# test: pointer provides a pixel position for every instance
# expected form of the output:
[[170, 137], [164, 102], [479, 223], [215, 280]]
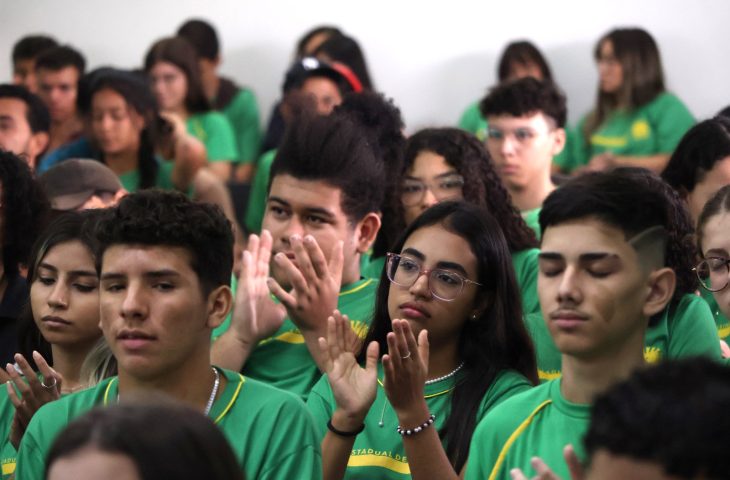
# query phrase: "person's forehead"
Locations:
[[586, 236], [303, 194], [533, 120], [67, 74], [127, 256], [13, 107], [716, 232]]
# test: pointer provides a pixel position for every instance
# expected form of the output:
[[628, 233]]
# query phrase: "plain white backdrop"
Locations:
[[433, 58]]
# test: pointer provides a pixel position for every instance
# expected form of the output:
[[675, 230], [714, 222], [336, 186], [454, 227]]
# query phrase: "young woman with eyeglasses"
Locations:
[[449, 320], [450, 164], [713, 271]]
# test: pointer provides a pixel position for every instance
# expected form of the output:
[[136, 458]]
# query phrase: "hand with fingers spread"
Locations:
[[405, 366], [353, 386], [315, 283], [255, 314], [34, 393]]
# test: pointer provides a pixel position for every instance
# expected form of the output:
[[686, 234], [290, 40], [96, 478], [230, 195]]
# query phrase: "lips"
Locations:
[[135, 339], [568, 319], [413, 310], [55, 322]]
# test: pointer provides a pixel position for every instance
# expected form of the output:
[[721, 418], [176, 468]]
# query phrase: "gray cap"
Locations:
[[71, 183]]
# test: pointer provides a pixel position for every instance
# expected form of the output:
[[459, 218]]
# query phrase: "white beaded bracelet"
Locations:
[[418, 429]]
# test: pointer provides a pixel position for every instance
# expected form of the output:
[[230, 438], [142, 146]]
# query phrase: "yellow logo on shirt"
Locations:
[[640, 130], [8, 466], [652, 354], [368, 457]]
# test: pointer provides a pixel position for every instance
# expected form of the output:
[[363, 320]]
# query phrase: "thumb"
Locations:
[[423, 346], [574, 466], [371, 357]]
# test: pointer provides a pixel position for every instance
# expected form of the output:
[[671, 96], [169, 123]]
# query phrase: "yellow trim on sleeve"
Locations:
[[546, 375], [106, 391], [290, 337], [512, 438], [382, 461], [723, 331], [604, 141], [431, 395], [233, 399], [358, 288]]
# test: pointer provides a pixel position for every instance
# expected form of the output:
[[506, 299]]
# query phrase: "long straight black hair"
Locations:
[[493, 342]]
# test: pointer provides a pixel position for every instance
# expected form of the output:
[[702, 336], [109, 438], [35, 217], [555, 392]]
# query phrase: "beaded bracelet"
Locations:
[[418, 429], [342, 433]]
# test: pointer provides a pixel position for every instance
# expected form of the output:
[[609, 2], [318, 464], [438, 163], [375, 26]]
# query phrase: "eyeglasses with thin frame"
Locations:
[[443, 284], [713, 273], [445, 188], [522, 135]]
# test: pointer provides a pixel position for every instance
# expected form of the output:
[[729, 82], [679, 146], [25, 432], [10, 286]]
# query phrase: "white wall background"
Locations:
[[433, 58]]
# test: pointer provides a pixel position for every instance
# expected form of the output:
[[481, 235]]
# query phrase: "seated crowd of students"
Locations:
[[513, 298]]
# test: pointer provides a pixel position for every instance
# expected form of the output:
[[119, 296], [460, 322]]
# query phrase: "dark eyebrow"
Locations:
[[442, 175], [6, 117], [716, 251], [308, 209], [279, 200], [72, 273], [452, 266], [152, 274], [584, 257], [549, 256], [413, 252]]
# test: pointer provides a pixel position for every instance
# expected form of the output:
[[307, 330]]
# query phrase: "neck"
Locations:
[[67, 361], [62, 131], [351, 273], [192, 385], [585, 378], [122, 162], [442, 360], [532, 195], [211, 82]]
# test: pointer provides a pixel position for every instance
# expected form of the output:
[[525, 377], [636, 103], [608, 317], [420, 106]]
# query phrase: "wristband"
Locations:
[[412, 431], [343, 433]]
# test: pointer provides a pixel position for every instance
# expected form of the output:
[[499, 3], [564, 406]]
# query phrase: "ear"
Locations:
[[38, 144], [560, 139], [661, 284], [219, 304], [365, 232]]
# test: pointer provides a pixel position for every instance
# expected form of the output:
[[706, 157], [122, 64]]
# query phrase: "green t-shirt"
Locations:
[[214, 130], [270, 432], [283, 360], [473, 122], [539, 422], [532, 219], [378, 451], [130, 180], [722, 322], [687, 331], [243, 114], [7, 451], [654, 128], [256, 207]]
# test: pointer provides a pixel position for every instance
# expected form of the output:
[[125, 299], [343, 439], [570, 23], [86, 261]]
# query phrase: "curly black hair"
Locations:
[[482, 185], [164, 218], [673, 414], [526, 96], [25, 210], [382, 119]]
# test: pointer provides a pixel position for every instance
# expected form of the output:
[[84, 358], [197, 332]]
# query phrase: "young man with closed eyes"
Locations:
[[602, 276]]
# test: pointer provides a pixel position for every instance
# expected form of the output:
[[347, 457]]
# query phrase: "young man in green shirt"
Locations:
[[236, 103], [321, 215], [165, 264], [602, 276], [526, 130]]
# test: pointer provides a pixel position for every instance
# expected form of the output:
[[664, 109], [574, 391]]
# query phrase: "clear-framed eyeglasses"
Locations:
[[445, 188], [713, 273], [444, 284]]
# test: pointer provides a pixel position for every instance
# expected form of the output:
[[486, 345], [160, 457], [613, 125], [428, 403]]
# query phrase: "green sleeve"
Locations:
[[320, 407], [292, 449], [671, 119], [473, 122], [243, 115], [31, 461], [547, 355], [259, 191], [214, 130], [692, 330], [525, 265], [484, 449]]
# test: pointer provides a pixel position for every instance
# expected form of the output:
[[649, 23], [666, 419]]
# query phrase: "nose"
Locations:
[[569, 287], [58, 299], [420, 287], [134, 304], [294, 226], [508, 145], [429, 199]]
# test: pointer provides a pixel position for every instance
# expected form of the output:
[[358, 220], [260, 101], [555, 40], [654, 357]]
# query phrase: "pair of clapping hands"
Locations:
[[28, 393]]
